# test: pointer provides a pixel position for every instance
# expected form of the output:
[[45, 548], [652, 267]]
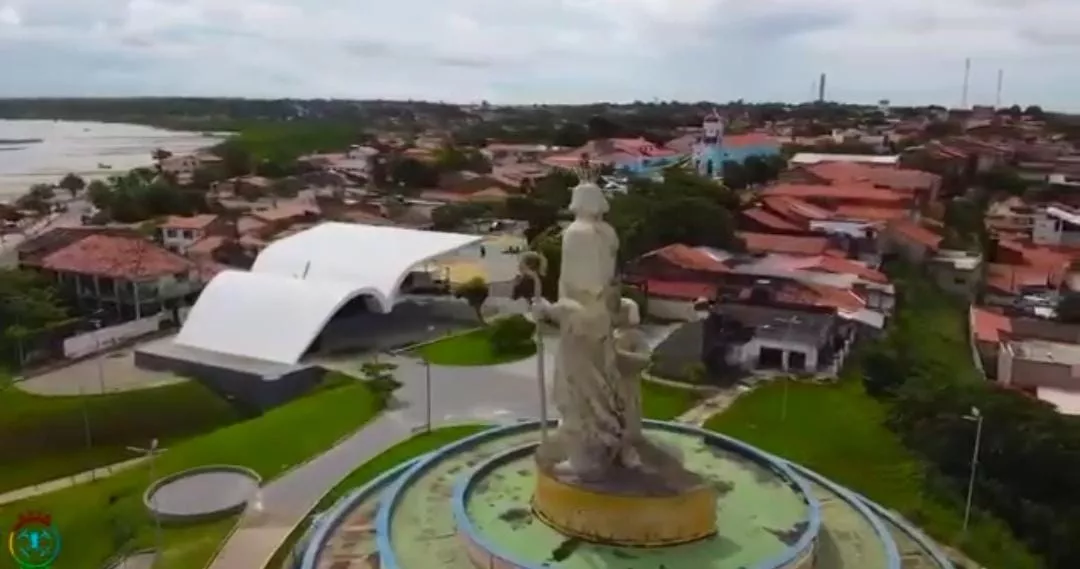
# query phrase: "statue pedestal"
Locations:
[[657, 505]]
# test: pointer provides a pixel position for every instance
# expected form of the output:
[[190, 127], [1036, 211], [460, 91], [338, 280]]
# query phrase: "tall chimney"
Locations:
[[967, 76], [1001, 79], [821, 89]]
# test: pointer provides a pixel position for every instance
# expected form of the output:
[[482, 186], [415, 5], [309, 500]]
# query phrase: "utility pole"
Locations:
[[789, 324], [151, 453], [977, 417]]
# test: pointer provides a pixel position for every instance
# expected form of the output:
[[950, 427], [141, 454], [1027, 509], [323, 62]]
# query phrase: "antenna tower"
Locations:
[[1000, 80], [967, 77]]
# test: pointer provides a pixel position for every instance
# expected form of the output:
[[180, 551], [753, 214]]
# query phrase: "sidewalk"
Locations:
[[698, 414], [66, 482]]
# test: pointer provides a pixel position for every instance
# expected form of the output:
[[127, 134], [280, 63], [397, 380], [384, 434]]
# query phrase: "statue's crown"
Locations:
[[586, 171]]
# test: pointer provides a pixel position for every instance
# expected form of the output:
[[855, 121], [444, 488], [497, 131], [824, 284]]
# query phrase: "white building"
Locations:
[[276, 311], [1056, 226]]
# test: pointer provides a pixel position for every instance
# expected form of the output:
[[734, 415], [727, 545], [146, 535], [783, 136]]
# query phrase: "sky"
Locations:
[[556, 51]]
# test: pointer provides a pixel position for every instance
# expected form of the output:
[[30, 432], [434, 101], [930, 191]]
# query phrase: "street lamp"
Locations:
[[784, 360], [977, 417], [151, 453], [96, 321], [427, 389]]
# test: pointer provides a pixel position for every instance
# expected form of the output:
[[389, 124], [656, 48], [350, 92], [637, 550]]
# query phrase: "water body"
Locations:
[[42, 151]]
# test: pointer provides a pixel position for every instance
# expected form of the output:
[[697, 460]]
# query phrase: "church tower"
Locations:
[[712, 129], [708, 153]]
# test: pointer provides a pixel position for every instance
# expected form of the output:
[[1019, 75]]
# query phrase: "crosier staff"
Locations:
[[533, 265]]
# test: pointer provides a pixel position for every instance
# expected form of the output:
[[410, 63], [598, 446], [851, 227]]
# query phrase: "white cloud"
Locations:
[[9, 16], [536, 50]]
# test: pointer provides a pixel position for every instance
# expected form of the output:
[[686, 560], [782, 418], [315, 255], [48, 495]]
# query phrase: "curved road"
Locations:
[[501, 393]]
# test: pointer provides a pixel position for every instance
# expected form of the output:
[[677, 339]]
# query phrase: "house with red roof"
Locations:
[[627, 155], [118, 271], [678, 278]]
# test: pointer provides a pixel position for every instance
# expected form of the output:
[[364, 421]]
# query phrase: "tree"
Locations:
[[100, 194], [410, 173], [38, 198], [475, 291], [380, 377], [28, 305], [512, 335], [73, 184], [1002, 179], [733, 174], [160, 154]]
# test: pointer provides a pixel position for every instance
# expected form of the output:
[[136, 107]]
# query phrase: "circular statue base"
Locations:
[[655, 503]]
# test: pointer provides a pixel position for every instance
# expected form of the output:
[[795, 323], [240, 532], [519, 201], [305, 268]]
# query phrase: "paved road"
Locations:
[[497, 394], [502, 393]]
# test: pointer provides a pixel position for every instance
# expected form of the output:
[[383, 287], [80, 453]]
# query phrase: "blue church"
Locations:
[[714, 148]]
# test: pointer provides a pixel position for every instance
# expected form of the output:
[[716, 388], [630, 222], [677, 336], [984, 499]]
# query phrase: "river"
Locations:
[[33, 152]]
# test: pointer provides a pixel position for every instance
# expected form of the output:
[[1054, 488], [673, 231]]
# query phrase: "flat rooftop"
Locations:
[[1044, 351]]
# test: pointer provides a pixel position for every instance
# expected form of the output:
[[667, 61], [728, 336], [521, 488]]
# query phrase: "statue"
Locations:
[[586, 390], [600, 477]]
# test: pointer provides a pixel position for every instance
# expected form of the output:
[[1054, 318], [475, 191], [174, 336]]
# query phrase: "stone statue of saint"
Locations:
[[586, 387], [597, 391]]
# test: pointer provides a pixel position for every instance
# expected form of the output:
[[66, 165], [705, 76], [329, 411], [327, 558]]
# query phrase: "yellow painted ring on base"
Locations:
[[626, 520]]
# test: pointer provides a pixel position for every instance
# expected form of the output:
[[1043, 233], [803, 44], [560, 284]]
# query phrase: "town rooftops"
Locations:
[[115, 256], [612, 150], [915, 232], [771, 243], [853, 192], [693, 258], [769, 220], [778, 323], [807, 158], [893, 178], [188, 222]]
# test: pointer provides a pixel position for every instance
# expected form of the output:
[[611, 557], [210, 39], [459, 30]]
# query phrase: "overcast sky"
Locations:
[[518, 51]]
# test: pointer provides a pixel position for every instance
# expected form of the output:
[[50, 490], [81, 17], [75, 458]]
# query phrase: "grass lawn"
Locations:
[[468, 349], [838, 431], [44, 438], [666, 402], [388, 459], [86, 515]]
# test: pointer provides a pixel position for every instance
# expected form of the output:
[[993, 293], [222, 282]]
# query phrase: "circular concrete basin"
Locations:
[[202, 494]]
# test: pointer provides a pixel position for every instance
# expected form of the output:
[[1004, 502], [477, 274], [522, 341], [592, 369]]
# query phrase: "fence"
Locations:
[[88, 343]]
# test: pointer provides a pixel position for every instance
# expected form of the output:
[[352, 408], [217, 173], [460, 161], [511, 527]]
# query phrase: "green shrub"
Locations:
[[511, 335]]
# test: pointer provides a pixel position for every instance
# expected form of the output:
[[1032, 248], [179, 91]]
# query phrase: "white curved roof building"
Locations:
[[275, 311]]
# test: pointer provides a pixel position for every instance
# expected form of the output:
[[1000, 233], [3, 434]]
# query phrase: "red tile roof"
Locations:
[[840, 265], [611, 150], [687, 257], [1012, 278], [856, 173], [750, 139], [813, 294], [870, 213], [847, 192], [680, 290], [913, 231], [795, 209], [769, 220], [116, 257], [770, 243], [1058, 258], [988, 325]]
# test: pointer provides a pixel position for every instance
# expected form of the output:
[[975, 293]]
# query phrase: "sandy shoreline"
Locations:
[[83, 148]]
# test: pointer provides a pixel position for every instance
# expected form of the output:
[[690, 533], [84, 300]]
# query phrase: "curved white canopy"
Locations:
[[275, 311]]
